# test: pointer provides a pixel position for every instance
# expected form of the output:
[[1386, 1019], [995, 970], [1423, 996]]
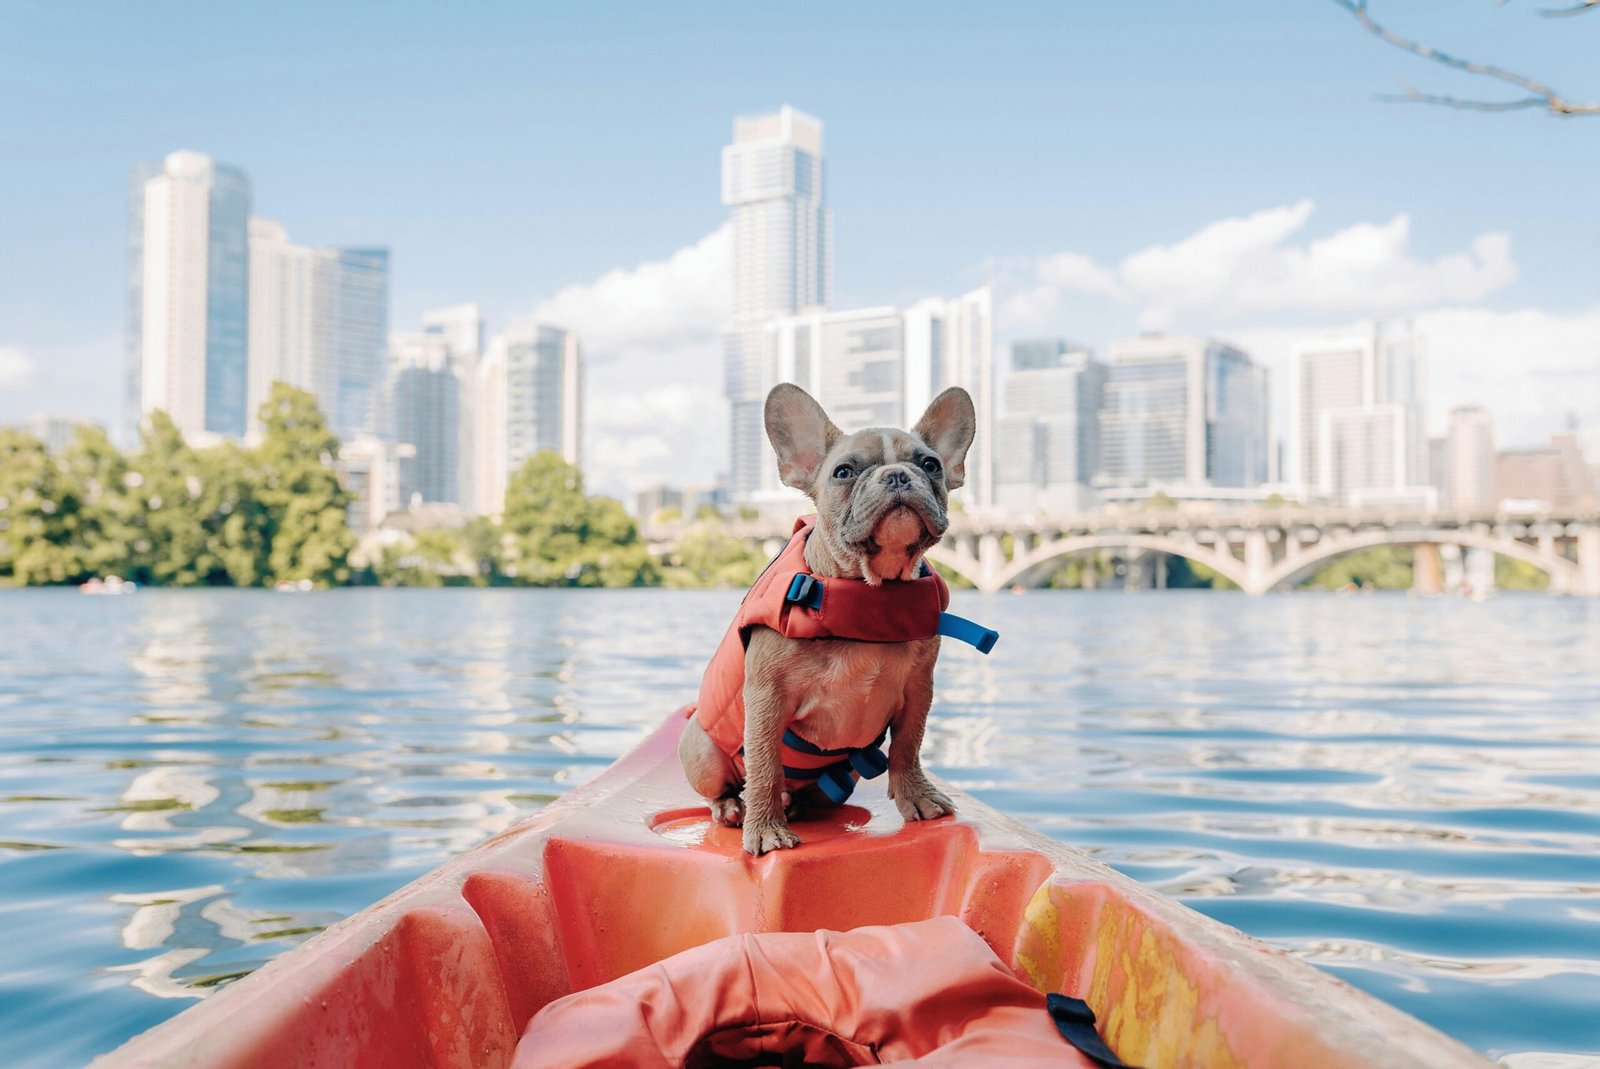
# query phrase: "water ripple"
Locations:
[[1399, 790]]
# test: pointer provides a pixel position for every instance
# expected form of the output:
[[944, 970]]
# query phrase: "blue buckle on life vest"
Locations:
[[804, 590], [968, 631], [869, 761], [837, 783]]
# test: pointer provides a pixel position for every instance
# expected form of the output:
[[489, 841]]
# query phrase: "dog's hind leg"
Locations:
[[712, 775]]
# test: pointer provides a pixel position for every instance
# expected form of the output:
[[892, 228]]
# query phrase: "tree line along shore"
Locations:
[[169, 514], [274, 514]]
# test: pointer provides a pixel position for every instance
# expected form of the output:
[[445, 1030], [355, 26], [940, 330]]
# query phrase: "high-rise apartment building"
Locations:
[[423, 405], [852, 362], [1365, 455], [462, 328], [284, 340], [487, 385], [950, 342], [1033, 354], [460, 325], [373, 472], [544, 394], [1555, 476], [188, 293], [56, 432], [1362, 392], [319, 320], [880, 367], [773, 187], [1469, 473], [1182, 413], [527, 398], [1048, 444]]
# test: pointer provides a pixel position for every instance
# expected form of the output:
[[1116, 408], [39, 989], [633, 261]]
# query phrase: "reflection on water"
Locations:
[[1402, 791]]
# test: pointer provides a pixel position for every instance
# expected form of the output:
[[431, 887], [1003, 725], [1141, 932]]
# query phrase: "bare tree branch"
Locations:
[[1577, 9], [1540, 95]]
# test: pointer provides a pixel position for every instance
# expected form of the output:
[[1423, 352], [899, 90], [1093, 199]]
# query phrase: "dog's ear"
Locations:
[[948, 426], [801, 433]]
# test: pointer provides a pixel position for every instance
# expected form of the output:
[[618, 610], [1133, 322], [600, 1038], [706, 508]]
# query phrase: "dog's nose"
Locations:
[[896, 479]]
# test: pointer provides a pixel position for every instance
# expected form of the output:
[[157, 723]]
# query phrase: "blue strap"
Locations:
[[869, 762], [968, 631], [838, 780], [1075, 1021], [804, 590], [790, 738], [837, 783]]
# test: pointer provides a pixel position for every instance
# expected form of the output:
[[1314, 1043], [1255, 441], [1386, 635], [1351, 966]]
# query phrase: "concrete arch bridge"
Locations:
[[1260, 550]]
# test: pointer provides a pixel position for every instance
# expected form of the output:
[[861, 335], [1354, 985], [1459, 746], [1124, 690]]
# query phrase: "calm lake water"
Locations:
[[1404, 791]]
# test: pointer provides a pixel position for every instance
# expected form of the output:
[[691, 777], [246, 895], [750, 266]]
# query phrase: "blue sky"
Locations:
[[506, 152]]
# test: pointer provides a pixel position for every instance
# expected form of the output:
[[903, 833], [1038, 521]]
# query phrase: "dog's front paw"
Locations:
[[764, 838], [923, 802], [729, 812]]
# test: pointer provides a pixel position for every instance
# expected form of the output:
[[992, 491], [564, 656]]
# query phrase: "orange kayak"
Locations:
[[627, 871]]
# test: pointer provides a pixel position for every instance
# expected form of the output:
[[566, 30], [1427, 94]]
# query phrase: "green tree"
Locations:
[[35, 536], [480, 540], [168, 542], [1513, 574], [708, 556], [557, 536], [302, 503], [95, 481], [232, 514], [1380, 567], [61, 517]]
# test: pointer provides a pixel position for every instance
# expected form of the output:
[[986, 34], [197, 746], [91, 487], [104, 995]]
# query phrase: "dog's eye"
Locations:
[[930, 465], [844, 471]]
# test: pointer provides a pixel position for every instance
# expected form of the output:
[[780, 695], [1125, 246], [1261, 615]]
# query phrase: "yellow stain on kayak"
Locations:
[[1152, 998], [1039, 957], [1138, 980]]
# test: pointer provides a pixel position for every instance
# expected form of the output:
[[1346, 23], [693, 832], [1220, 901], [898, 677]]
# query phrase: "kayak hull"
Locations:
[[627, 870]]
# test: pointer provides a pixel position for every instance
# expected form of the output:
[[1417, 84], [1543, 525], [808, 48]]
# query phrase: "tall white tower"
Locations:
[[188, 293], [773, 185]]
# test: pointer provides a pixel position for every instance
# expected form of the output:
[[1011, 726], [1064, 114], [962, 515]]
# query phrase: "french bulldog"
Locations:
[[882, 497]]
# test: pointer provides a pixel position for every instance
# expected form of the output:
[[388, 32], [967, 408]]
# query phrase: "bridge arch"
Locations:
[[1563, 573], [1013, 570]]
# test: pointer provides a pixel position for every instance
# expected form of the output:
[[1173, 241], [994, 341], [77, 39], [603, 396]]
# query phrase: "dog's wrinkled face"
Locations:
[[881, 493]]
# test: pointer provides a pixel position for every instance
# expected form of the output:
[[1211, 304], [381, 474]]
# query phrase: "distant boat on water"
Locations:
[[111, 584]]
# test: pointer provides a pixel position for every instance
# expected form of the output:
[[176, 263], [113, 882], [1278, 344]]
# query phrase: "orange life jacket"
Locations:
[[926, 993], [790, 599]]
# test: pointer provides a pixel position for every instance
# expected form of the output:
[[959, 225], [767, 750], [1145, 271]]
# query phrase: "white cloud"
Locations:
[[1233, 269], [1531, 368], [651, 336], [689, 294], [16, 370]]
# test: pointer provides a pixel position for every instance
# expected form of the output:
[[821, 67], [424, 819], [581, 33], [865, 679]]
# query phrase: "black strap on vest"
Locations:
[[1075, 1021]]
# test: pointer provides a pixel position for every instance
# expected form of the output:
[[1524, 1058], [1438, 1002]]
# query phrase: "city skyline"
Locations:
[[1186, 414], [1275, 232]]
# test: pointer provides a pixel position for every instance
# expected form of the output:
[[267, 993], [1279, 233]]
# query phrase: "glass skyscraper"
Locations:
[[319, 320], [773, 186], [355, 326], [188, 293], [1184, 413], [423, 399]]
